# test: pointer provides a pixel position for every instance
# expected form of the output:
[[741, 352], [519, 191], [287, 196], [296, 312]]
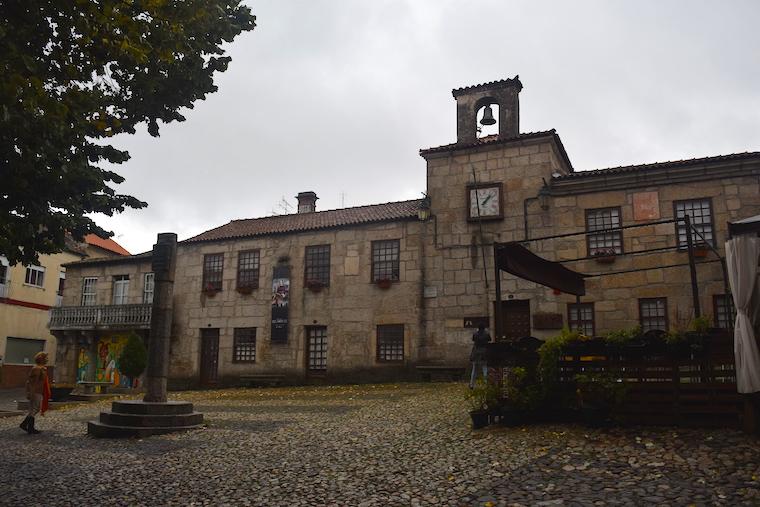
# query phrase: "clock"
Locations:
[[485, 201]]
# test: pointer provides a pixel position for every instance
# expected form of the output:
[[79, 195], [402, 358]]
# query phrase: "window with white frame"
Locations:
[[609, 242], [89, 291], [724, 311], [700, 212], [580, 317], [149, 286], [35, 276], [120, 289], [653, 314]]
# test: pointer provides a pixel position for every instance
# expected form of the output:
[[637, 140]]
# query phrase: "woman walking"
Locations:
[[37, 392]]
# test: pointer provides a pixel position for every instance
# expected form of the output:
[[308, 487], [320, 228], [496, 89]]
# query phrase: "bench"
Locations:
[[90, 387], [440, 373], [268, 379]]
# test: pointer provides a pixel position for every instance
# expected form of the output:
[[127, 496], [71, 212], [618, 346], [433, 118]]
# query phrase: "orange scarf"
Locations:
[[46, 394]]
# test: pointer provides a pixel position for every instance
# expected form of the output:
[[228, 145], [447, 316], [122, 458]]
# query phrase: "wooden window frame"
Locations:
[[244, 345], [386, 337], [580, 306], [679, 227], [85, 295], [395, 270], [247, 276], [719, 308], [616, 231], [209, 267], [643, 301], [316, 265]]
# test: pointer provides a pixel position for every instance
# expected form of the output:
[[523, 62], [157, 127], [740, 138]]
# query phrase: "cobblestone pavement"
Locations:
[[407, 444]]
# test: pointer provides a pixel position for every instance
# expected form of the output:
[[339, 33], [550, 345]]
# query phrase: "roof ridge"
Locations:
[[490, 84], [324, 210]]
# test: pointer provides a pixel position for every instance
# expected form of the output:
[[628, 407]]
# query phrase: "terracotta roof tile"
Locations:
[[300, 222], [515, 81], [658, 165], [106, 244]]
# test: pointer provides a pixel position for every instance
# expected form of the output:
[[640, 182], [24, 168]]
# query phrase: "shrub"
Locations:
[[623, 336], [484, 396], [134, 357]]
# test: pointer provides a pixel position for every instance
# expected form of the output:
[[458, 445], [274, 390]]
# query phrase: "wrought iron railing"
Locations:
[[99, 317]]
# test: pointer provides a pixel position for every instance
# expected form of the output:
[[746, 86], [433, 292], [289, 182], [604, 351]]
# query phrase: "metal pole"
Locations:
[[497, 299], [480, 226], [692, 267]]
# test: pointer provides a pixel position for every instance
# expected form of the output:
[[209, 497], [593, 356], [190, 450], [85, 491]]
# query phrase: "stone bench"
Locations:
[[441, 373], [268, 379], [94, 387]]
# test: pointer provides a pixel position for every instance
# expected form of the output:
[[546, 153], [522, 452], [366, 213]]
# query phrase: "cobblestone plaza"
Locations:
[[399, 444]]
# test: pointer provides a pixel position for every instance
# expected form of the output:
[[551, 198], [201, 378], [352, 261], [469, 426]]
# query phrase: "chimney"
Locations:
[[307, 202]]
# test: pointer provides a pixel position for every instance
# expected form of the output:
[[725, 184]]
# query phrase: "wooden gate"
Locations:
[[209, 357]]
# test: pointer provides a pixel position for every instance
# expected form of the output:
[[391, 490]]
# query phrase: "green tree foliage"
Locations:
[[75, 73], [134, 357]]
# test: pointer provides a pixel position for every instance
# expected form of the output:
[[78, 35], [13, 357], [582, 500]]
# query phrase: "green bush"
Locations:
[[484, 396], [134, 357], [623, 336]]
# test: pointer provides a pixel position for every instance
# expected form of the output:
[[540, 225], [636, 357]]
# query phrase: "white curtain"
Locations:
[[742, 254]]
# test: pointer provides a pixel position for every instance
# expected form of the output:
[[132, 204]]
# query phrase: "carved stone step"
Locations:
[[151, 420], [140, 407], [100, 430]]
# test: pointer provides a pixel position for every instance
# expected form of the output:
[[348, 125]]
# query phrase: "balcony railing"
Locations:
[[100, 317]]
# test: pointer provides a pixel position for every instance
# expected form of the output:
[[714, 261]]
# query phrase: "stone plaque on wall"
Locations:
[[646, 206], [547, 321]]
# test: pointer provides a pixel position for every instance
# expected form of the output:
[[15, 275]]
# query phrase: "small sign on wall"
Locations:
[[646, 206], [431, 291], [475, 321]]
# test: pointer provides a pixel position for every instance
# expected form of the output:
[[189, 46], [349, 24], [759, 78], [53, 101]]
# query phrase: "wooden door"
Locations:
[[209, 357], [515, 318]]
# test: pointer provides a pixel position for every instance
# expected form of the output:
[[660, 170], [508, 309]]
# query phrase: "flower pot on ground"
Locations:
[[483, 400], [480, 419], [384, 283]]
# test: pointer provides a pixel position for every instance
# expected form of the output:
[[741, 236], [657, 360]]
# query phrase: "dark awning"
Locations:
[[518, 260], [745, 226]]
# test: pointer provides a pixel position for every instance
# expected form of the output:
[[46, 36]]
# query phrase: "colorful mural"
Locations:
[[107, 361]]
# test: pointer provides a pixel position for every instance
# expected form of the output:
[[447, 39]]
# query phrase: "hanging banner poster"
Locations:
[[280, 303]]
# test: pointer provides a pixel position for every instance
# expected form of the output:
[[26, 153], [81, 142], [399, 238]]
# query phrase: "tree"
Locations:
[[77, 72], [133, 358]]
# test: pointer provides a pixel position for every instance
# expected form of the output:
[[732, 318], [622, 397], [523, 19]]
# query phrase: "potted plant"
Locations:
[[605, 255], [483, 400], [244, 289], [315, 285], [522, 397], [384, 283], [210, 290]]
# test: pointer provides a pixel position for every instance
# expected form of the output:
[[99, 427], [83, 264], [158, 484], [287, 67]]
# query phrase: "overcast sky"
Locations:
[[339, 96]]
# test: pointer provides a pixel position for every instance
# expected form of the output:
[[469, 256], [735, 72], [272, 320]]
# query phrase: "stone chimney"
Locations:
[[307, 202]]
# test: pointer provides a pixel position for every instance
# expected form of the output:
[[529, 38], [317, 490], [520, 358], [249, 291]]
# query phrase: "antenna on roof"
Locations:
[[282, 208], [342, 199]]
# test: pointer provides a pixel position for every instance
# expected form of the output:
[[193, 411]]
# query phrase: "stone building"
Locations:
[[371, 292]]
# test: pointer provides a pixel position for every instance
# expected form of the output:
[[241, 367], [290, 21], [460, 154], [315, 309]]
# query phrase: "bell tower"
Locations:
[[471, 99]]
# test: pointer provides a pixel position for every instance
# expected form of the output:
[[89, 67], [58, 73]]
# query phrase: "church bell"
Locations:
[[488, 118]]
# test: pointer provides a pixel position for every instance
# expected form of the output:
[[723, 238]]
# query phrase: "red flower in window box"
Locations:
[[315, 285], [701, 250], [384, 283], [210, 291], [605, 255], [244, 289]]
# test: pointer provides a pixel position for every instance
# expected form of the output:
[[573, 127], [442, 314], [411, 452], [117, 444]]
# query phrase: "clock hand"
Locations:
[[486, 200]]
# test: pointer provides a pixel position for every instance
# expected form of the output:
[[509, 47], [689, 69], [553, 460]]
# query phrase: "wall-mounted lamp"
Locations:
[[543, 196], [423, 212]]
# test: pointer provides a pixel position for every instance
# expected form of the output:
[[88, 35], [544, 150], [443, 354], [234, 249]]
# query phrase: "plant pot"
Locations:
[[315, 287], [384, 284], [479, 419], [605, 259], [60, 393], [701, 253], [210, 293], [244, 290]]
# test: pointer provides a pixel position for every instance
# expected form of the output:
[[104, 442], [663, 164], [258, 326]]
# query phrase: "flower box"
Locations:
[[384, 283], [701, 250], [210, 291], [605, 256], [315, 285], [244, 290]]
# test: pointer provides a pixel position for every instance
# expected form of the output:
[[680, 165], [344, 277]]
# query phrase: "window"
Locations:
[[35, 276], [248, 269], [149, 286], [61, 281], [317, 265], [120, 289], [317, 344], [653, 314], [390, 343], [724, 311], [700, 212], [580, 317], [22, 350], [604, 243], [244, 345], [213, 267], [89, 291], [385, 265]]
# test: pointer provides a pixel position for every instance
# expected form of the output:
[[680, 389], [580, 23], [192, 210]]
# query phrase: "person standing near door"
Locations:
[[37, 392], [480, 340]]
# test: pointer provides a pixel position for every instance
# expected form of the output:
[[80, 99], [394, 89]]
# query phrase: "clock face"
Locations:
[[485, 202]]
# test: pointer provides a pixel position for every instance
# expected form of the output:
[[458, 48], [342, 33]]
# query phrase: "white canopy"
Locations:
[[742, 256]]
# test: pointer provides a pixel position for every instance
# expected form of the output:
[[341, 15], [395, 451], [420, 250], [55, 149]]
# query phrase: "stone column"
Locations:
[[163, 262]]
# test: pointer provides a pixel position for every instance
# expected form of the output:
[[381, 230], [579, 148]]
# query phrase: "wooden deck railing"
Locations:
[[100, 317]]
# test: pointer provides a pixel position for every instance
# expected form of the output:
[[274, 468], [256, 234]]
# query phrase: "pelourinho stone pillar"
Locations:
[[163, 262]]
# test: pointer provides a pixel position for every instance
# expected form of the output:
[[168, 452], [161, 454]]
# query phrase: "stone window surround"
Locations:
[[317, 264], [244, 345], [213, 271], [386, 255], [579, 320], [704, 203], [651, 306], [35, 276], [249, 269], [615, 238], [390, 343]]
